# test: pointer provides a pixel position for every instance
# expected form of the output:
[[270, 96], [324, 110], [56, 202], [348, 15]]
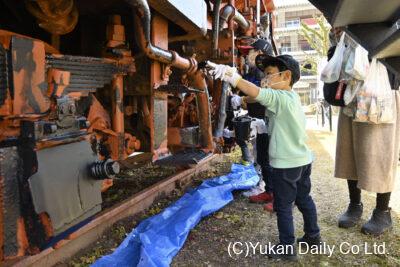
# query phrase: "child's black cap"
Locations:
[[263, 61]]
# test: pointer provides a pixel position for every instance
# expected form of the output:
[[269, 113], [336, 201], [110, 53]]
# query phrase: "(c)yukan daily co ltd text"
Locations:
[[249, 248]]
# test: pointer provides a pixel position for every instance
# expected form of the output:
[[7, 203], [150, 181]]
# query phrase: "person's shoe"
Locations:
[[310, 240], [351, 216], [269, 207], [245, 162], [282, 252], [261, 198], [380, 222]]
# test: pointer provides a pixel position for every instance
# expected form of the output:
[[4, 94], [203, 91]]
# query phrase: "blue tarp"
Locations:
[[159, 238]]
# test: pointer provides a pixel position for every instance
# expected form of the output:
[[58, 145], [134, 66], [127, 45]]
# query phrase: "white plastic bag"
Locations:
[[331, 72], [357, 65], [375, 98], [350, 60], [353, 86]]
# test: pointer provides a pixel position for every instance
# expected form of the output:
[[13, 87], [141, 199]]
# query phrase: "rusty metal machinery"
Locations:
[[120, 82], [57, 17]]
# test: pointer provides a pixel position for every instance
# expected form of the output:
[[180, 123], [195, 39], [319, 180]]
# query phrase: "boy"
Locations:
[[289, 155]]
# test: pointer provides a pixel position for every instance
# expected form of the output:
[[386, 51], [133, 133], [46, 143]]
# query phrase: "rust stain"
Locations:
[[98, 116], [117, 147], [47, 225], [22, 237], [107, 183]]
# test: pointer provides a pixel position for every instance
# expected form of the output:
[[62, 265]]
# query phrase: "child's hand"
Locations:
[[225, 73], [236, 101]]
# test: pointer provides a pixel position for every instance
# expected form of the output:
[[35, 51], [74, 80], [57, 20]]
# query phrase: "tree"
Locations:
[[318, 39]]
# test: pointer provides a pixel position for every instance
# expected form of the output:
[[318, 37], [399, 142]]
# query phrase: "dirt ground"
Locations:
[[240, 221]]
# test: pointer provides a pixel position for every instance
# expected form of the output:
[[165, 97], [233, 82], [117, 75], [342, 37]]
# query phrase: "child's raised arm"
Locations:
[[229, 74]]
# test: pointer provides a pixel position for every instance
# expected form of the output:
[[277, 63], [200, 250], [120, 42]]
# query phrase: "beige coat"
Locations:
[[368, 153]]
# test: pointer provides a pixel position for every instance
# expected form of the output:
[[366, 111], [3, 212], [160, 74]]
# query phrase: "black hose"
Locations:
[[222, 111]]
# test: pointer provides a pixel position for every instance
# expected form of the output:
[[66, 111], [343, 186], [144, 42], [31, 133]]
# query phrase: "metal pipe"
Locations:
[[142, 31], [203, 107], [258, 13], [222, 111], [118, 113], [228, 13], [215, 28], [205, 120], [231, 23]]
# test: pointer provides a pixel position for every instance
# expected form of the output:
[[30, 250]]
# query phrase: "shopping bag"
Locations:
[[331, 72], [352, 88], [375, 98], [357, 64]]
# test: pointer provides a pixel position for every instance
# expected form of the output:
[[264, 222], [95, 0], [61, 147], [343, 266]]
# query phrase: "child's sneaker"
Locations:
[[245, 162], [269, 207], [261, 198]]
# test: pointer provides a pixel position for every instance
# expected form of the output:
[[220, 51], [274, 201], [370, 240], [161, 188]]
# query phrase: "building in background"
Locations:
[[287, 34]]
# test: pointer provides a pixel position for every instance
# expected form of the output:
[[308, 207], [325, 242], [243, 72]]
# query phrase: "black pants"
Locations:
[[262, 145], [382, 199], [292, 186]]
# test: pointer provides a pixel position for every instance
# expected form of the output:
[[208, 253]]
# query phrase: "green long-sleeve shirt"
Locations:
[[287, 128]]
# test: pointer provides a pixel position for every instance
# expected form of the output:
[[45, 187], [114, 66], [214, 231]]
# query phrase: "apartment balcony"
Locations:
[[298, 53], [309, 78], [291, 28]]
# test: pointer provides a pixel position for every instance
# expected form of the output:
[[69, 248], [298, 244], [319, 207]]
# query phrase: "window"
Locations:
[[304, 72], [305, 98], [285, 47], [292, 23], [304, 45]]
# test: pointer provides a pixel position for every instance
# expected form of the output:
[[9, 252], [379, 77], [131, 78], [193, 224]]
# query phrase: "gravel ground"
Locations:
[[240, 221]]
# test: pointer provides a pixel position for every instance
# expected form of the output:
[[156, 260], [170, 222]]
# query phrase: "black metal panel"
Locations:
[[3, 75], [184, 158], [10, 165], [326, 7], [349, 12], [87, 73], [375, 37]]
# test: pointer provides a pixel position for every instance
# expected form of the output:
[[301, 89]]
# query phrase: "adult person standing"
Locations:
[[367, 156]]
